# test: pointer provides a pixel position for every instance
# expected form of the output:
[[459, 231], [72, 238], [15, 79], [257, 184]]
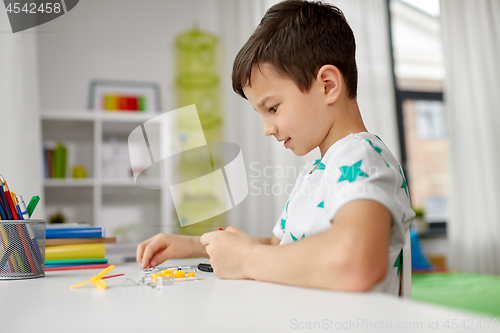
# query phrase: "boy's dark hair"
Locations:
[[297, 38]]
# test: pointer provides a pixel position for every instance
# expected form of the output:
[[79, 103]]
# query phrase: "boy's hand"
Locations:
[[228, 251], [161, 247]]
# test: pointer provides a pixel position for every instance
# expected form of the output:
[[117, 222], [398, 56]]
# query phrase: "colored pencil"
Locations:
[[2, 210], [9, 200], [32, 204], [7, 250], [5, 203], [27, 248]]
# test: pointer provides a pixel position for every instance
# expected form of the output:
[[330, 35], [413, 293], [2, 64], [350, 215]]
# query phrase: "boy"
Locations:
[[299, 72]]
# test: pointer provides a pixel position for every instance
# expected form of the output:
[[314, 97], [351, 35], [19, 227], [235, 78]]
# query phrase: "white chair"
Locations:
[[405, 274]]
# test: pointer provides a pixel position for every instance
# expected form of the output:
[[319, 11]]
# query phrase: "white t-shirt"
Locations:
[[358, 166]]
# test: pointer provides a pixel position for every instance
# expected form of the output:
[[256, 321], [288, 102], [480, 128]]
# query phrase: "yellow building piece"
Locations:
[[180, 274]]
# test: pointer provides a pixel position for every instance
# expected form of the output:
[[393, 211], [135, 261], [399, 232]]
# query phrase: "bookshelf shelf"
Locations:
[[113, 117], [64, 116], [109, 197], [128, 182], [69, 182], [91, 116]]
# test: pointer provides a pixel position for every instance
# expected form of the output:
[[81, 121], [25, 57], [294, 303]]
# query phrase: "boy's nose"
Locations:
[[269, 129]]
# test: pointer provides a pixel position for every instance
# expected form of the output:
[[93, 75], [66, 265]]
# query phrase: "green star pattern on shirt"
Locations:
[[295, 238], [379, 151], [283, 221], [399, 262], [321, 166], [404, 185], [378, 137], [321, 204], [350, 173]]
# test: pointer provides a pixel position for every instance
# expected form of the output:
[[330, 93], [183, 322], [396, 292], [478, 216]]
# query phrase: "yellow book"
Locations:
[[75, 251]]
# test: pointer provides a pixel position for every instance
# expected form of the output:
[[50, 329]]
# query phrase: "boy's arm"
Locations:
[[352, 255], [269, 241]]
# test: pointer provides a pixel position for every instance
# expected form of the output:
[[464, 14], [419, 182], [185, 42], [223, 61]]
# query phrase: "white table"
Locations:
[[211, 305]]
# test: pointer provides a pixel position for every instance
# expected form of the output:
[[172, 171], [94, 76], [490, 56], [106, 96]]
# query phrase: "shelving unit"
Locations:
[[109, 199]]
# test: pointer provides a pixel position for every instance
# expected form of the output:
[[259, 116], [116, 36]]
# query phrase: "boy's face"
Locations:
[[287, 112]]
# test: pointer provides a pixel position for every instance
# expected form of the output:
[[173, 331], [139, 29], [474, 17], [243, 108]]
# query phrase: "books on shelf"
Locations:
[[59, 161], [49, 159], [55, 160]]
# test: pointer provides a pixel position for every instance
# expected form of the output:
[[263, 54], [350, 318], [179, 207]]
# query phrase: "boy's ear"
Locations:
[[330, 79]]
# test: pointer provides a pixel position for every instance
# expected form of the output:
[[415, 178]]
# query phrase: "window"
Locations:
[[418, 77]]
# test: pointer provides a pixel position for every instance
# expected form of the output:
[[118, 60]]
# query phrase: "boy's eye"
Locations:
[[274, 108]]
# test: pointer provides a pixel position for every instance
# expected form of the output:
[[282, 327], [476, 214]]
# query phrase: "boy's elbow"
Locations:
[[360, 275], [368, 275]]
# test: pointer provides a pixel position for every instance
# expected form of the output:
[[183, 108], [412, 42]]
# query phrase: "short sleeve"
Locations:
[[364, 169], [279, 226]]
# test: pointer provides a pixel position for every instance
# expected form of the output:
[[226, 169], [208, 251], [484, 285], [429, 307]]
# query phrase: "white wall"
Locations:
[[20, 149], [114, 39]]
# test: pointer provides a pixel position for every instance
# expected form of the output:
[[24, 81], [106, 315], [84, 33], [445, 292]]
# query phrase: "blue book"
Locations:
[[95, 232]]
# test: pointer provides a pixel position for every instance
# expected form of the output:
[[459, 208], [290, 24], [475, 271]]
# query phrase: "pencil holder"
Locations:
[[22, 249]]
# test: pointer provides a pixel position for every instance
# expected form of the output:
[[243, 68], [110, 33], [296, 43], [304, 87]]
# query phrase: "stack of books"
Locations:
[[75, 247]]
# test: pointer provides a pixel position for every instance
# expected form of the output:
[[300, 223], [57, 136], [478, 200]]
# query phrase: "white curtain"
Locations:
[[20, 143], [471, 35], [271, 167]]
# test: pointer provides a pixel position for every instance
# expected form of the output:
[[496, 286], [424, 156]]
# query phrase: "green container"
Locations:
[[196, 52], [201, 89], [198, 83]]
